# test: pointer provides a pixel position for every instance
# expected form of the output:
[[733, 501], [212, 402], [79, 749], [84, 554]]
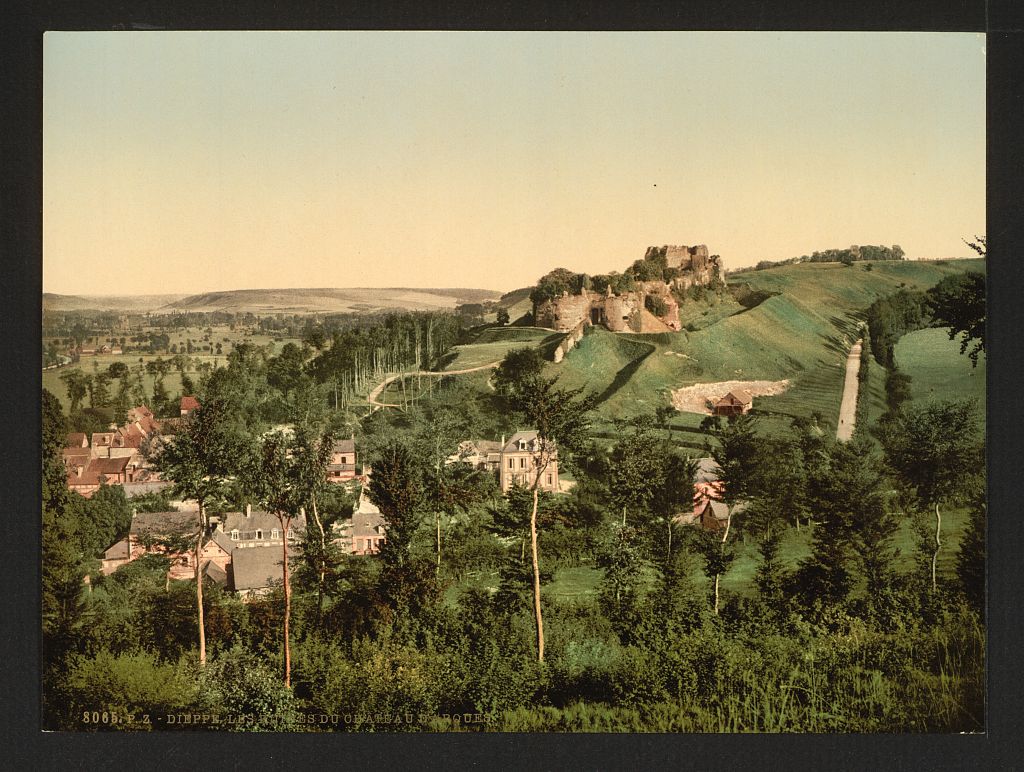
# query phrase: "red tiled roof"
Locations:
[[76, 440], [189, 403]]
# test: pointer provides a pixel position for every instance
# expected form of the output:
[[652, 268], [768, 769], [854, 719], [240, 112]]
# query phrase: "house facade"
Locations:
[[342, 466], [364, 532], [519, 458]]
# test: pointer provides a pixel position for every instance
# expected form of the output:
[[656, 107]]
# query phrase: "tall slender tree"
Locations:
[[201, 461], [288, 475], [559, 416]]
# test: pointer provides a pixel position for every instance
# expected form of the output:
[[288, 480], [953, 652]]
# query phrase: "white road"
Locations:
[[848, 407]]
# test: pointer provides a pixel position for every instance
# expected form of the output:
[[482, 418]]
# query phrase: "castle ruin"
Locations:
[[628, 311]]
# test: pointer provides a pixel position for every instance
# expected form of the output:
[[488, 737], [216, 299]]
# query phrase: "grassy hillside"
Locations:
[[493, 343], [938, 370], [120, 303], [802, 333], [799, 325]]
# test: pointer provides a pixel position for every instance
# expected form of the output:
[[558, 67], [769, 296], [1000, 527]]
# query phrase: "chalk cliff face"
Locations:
[[628, 311]]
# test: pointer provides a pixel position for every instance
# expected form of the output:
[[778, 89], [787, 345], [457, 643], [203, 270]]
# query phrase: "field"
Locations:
[[581, 583], [938, 370], [493, 343], [221, 334]]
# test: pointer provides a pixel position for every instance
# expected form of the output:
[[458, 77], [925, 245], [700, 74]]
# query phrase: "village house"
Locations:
[[255, 572], [86, 478], [254, 528], [364, 532], [518, 463], [480, 454], [77, 440], [113, 457], [706, 484], [163, 533], [188, 404], [734, 403], [241, 551], [709, 511], [342, 466]]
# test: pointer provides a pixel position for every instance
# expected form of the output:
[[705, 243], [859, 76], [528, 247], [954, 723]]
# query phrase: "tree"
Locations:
[[560, 419], [737, 455], [200, 463], [286, 477], [454, 485], [397, 489], [958, 302], [970, 562], [674, 493], [636, 469], [853, 529], [778, 494], [620, 587], [503, 316], [935, 450], [117, 370], [76, 383], [62, 573]]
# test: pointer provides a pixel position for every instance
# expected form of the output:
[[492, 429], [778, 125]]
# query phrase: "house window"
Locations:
[[259, 533], [549, 479], [274, 534], [234, 535], [510, 463], [344, 459], [522, 463]]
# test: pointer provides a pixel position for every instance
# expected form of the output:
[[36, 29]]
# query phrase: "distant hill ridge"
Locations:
[[293, 300]]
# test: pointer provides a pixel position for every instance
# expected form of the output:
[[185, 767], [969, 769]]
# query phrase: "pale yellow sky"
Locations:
[[190, 162]]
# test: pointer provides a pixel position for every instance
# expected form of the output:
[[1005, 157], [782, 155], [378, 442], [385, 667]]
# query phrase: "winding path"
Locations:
[[848, 407], [372, 397]]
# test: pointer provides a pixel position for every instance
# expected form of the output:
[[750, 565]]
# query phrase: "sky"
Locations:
[[186, 162]]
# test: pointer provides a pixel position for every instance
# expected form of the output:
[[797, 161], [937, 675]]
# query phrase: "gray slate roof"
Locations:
[[707, 470], [264, 521], [254, 568], [512, 446]]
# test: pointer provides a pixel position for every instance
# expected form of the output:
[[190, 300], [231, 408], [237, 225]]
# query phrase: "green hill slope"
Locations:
[[801, 333]]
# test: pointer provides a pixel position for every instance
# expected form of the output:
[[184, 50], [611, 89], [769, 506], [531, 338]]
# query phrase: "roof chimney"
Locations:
[[248, 510], [503, 442]]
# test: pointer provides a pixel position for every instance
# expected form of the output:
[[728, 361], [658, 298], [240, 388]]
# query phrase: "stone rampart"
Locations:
[[621, 313], [573, 337]]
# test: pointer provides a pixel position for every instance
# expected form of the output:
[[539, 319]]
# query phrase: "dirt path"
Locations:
[[372, 397], [848, 407]]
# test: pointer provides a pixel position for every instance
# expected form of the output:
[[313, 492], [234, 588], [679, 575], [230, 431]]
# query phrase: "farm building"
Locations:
[[734, 403]]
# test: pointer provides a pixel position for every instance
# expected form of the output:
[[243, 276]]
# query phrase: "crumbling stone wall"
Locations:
[[621, 313], [571, 339], [565, 312]]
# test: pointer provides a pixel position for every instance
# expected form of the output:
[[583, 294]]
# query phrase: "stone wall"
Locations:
[[573, 337], [621, 313], [564, 313]]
